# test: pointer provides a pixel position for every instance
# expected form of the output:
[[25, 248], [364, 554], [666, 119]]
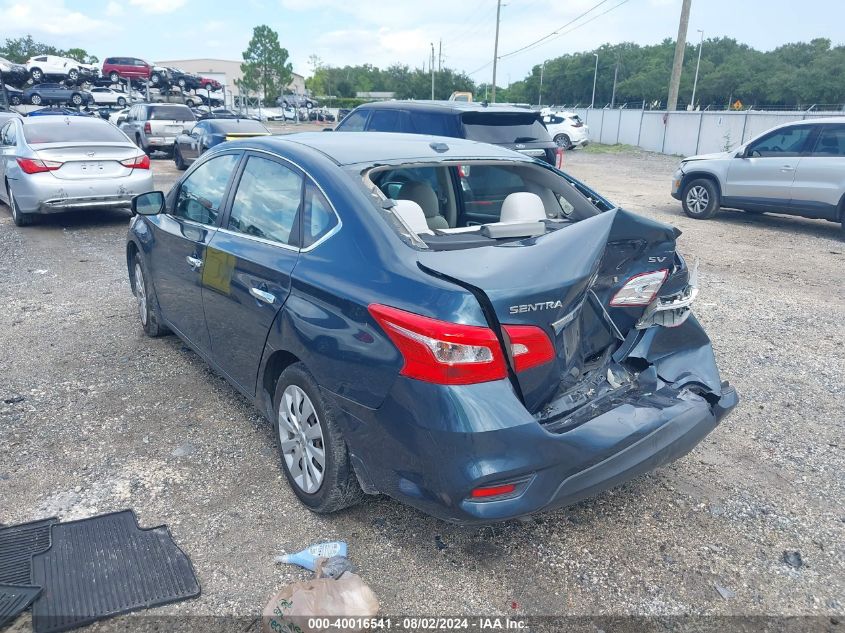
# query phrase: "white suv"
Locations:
[[796, 169], [566, 128], [53, 66]]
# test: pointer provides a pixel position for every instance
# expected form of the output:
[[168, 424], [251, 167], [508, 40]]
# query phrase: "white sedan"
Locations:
[[107, 96]]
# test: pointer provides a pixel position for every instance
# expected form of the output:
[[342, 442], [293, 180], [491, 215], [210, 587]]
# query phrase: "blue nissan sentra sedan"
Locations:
[[450, 323]]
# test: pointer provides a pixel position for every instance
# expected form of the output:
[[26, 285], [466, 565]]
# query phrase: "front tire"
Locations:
[[311, 447], [73, 75], [145, 299], [180, 163], [700, 199], [121, 102], [36, 75], [76, 99], [114, 77], [35, 99]]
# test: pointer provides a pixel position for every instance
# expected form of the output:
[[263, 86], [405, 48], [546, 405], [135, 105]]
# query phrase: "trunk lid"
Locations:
[[80, 162], [562, 282]]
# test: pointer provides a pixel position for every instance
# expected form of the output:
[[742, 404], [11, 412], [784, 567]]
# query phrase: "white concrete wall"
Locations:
[[684, 133]]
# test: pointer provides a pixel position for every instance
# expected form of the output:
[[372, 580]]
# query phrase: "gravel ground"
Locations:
[[95, 417]]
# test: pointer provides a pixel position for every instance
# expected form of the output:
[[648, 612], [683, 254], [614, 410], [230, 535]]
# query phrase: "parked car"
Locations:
[[13, 74], [795, 169], [296, 101], [184, 79], [208, 133], [107, 96], [207, 83], [119, 116], [155, 126], [51, 163], [54, 111], [566, 128], [116, 68], [15, 95], [397, 358], [342, 113], [160, 77], [320, 115], [43, 67], [47, 93], [516, 128], [218, 113]]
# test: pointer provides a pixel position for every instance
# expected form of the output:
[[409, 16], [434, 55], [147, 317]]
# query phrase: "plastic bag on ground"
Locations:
[[294, 605]]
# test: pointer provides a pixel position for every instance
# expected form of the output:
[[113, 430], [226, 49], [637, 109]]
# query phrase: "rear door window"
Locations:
[[385, 121], [504, 127], [434, 124], [267, 201], [831, 141]]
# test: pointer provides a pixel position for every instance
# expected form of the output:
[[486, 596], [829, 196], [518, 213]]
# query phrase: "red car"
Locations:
[[126, 67], [207, 83]]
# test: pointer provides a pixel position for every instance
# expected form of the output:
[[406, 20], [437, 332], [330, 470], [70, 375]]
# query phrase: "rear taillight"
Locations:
[[577, 124], [147, 128], [639, 290], [36, 166], [139, 162], [559, 158], [530, 346], [439, 351]]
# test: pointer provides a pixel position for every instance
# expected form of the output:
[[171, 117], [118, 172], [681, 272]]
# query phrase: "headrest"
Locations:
[[523, 206], [413, 216], [423, 195]]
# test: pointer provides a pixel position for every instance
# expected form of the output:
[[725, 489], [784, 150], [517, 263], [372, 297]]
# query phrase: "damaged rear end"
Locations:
[[601, 348]]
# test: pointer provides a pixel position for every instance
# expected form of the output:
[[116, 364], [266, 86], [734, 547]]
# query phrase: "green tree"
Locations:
[[266, 67]]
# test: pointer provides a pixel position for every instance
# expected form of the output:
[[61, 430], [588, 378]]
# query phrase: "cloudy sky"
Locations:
[[381, 32]]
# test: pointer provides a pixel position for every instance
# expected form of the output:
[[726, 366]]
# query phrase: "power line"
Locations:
[[586, 22], [555, 32]]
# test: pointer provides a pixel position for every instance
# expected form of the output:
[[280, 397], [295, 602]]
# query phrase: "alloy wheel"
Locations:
[[301, 439], [141, 294], [698, 199]]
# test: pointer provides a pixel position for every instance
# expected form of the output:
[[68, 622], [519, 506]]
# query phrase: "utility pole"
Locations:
[[432, 71], [540, 95], [595, 77], [697, 65], [678, 62], [613, 94], [496, 47], [440, 57]]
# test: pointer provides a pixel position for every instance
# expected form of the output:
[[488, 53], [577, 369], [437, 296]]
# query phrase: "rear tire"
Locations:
[[563, 141], [121, 102], [306, 432], [36, 75], [19, 218], [76, 99], [35, 99], [700, 199], [145, 298], [114, 77]]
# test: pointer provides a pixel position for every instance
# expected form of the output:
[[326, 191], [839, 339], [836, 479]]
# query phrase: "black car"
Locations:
[[208, 133], [13, 74], [184, 79], [14, 95], [43, 94], [516, 128]]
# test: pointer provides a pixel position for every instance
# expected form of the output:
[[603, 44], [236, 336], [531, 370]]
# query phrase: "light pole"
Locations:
[[698, 63], [595, 77], [540, 96]]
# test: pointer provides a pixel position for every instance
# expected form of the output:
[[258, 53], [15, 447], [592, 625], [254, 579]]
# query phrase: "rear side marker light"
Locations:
[[36, 166], [492, 491], [439, 351], [639, 290], [139, 162], [530, 346]]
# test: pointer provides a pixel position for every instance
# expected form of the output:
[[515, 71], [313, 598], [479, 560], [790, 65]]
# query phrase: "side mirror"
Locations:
[[150, 203], [742, 152]]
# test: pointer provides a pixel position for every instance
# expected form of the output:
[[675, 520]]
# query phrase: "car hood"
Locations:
[[713, 156]]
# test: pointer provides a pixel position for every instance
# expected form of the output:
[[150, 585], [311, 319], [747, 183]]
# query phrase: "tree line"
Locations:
[[20, 49]]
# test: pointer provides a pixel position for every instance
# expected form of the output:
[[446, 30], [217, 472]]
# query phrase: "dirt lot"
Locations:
[[95, 417]]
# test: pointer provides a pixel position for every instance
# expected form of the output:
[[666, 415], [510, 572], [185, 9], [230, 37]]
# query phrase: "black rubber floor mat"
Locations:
[[104, 566], [13, 600], [18, 544]]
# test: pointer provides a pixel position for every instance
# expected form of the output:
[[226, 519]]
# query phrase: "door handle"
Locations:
[[787, 168], [261, 295], [194, 263]]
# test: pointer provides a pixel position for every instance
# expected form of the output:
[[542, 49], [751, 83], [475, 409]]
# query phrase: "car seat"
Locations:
[[522, 206], [424, 196]]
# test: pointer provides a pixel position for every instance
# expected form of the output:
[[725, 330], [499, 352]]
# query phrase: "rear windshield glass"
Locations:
[[491, 127], [171, 113], [242, 125], [68, 130]]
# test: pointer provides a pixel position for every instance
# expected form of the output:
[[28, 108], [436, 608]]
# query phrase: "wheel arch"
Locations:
[[276, 362], [706, 175]]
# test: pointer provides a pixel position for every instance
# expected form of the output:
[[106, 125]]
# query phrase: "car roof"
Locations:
[[445, 106], [354, 148]]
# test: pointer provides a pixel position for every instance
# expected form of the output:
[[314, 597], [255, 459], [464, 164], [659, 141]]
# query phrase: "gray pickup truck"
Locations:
[[155, 126]]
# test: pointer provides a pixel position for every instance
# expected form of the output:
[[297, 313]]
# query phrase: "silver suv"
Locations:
[[795, 169], [155, 126]]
